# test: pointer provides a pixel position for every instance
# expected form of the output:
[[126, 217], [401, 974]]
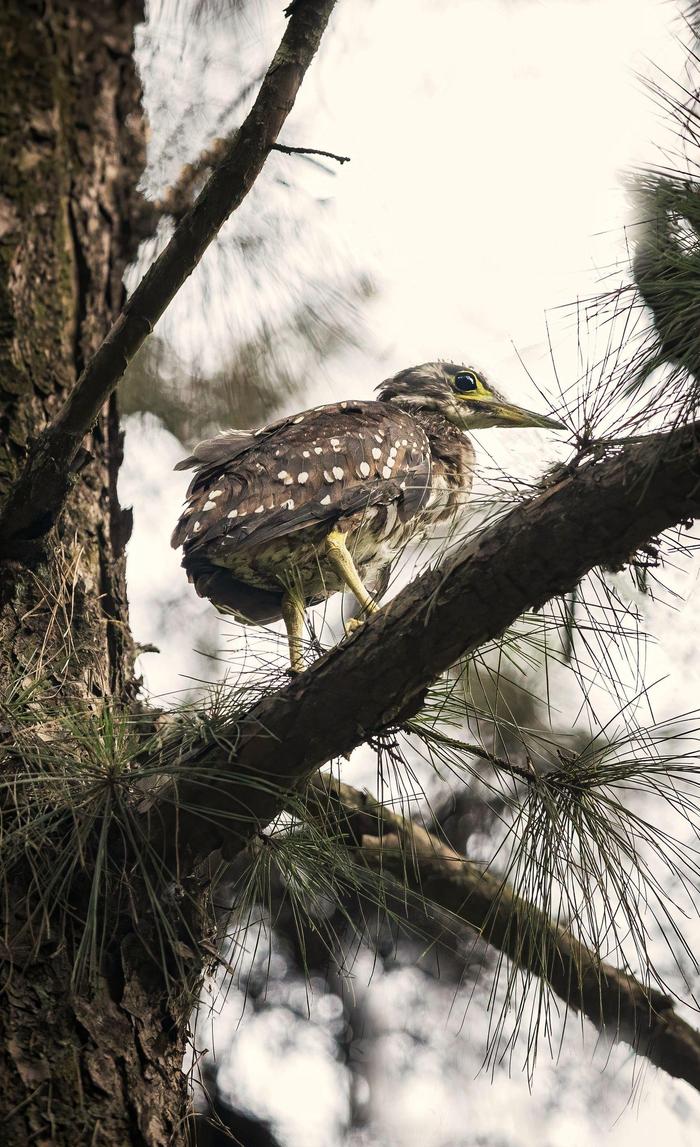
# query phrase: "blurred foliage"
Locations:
[[220, 1124], [667, 269], [263, 374]]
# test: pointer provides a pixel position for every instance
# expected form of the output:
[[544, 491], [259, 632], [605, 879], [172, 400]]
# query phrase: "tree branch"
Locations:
[[39, 494], [233, 781], [620, 1006], [177, 200]]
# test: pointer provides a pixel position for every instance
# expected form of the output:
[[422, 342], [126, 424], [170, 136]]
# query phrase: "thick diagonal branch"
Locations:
[[38, 496], [619, 1005], [232, 782]]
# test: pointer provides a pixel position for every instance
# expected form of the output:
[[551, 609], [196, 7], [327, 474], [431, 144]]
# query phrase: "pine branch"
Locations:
[[620, 1006], [232, 781], [38, 496]]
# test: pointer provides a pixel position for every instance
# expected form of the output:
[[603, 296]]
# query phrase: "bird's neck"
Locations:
[[442, 434], [451, 449]]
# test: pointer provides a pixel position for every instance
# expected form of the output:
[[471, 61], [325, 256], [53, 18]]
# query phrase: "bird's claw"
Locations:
[[353, 624]]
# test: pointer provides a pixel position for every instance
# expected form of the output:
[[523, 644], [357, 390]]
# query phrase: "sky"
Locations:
[[491, 143]]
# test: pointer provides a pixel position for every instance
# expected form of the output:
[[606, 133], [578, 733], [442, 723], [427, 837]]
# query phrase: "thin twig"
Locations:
[[287, 150], [528, 775], [177, 200]]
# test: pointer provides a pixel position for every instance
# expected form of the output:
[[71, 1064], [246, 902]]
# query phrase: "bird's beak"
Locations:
[[505, 414]]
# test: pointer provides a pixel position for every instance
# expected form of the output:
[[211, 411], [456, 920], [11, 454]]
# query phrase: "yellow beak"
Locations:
[[505, 414]]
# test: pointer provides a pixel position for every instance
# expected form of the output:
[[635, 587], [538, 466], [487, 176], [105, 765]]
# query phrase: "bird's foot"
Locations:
[[353, 624]]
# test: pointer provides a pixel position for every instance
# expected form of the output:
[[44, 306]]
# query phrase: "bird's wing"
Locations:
[[282, 522], [316, 467], [213, 454], [213, 451]]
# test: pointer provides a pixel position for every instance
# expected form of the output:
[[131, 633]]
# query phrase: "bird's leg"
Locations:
[[340, 560], [293, 614]]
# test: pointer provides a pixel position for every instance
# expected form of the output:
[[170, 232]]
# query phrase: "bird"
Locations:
[[278, 519]]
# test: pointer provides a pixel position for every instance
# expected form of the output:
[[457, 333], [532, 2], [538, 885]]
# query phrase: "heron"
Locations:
[[278, 519]]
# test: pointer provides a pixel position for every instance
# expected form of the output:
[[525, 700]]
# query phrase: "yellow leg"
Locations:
[[293, 614], [340, 560]]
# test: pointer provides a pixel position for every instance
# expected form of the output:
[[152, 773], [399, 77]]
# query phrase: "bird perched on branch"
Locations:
[[280, 518]]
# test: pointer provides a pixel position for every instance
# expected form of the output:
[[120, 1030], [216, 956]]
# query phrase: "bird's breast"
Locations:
[[450, 488]]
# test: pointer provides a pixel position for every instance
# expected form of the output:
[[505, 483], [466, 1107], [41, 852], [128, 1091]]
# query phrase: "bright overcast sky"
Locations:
[[487, 141]]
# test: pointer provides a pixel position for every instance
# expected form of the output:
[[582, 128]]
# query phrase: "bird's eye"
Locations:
[[465, 381]]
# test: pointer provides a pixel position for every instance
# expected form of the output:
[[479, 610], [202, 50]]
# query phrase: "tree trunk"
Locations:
[[73, 148], [102, 1064]]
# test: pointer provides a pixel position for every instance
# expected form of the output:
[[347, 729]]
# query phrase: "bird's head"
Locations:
[[462, 394]]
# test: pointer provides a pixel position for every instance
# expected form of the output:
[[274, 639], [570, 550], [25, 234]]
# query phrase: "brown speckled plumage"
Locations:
[[263, 503], [259, 507]]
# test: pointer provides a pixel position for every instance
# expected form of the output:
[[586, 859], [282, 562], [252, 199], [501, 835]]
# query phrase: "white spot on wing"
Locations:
[[318, 450], [215, 493], [303, 477], [288, 505], [209, 506], [305, 454], [259, 509], [282, 475], [364, 469], [386, 472], [376, 454], [338, 472], [197, 526], [233, 514], [299, 418], [326, 501], [327, 477]]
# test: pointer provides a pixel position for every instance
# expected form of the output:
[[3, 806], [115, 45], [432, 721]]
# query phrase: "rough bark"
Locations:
[[77, 1065], [103, 1067], [72, 151], [598, 515], [437, 876]]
